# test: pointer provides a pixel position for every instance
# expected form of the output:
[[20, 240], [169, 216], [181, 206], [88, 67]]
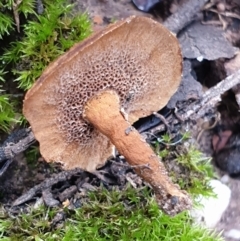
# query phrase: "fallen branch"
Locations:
[[16, 143], [47, 184], [184, 15]]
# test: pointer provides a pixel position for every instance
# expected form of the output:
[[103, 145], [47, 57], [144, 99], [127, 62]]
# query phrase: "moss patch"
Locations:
[[25, 54], [187, 166], [130, 214]]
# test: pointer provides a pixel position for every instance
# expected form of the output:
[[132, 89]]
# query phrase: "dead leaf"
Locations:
[[66, 203], [97, 19], [200, 42]]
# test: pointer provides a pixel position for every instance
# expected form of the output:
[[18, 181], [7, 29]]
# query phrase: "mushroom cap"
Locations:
[[136, 57]]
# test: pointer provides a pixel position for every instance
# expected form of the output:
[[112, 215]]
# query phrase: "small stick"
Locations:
[[200, 107], [46, 184], [15, 13], [162, 118], [130, 166], [211, 97], [184, 15], [209, 127]]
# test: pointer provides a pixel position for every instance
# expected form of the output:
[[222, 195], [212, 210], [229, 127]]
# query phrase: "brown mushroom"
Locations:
[[74, 107]]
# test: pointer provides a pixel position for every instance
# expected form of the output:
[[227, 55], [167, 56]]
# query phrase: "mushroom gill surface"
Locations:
[[137, 58]]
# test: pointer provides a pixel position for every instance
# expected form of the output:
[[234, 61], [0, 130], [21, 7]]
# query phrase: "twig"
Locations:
[[21, 146], [211, 97], [184, 15], [225, 14], [15, 6], [131, 166], [16, 143], [208, 127], [200, 107], [48, 183], [162, 118]]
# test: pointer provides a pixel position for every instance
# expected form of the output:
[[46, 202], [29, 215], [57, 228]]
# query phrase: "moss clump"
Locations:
[[199, 171], [7, 18], [45, 38], [7, 112], [42, 38], [187, 166], [129, 214]]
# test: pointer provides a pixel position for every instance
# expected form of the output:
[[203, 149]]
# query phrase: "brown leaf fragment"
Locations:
[[219, 141], [205, 42], [97, 19], [233, 65], [66, 203], [227, 158]]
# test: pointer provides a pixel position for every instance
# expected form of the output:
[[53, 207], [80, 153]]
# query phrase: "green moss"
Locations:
[[6, 18], [187, 166], [41, 40], [32, 155], [199, 172], [7, 108], [7, 113], [129, 214], [7, 21], [45, 38], [6, 24]]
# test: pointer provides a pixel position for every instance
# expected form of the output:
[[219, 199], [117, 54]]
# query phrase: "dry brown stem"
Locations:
[[103, 111]]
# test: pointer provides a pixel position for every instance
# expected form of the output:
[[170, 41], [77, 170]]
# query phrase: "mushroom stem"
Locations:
[[103, 112]]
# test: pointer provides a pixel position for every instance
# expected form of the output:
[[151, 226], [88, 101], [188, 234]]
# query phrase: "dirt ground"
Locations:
[[103, 12]]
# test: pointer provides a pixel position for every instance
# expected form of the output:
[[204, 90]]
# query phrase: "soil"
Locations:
[[103, 12]]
